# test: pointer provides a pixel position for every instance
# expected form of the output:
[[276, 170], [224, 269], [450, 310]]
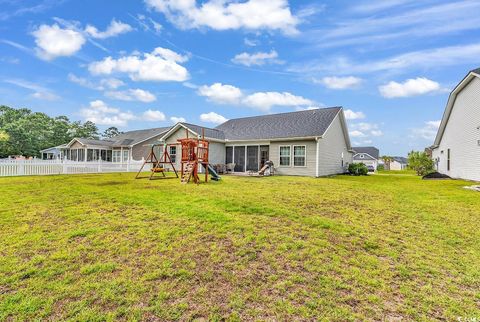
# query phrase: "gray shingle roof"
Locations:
[[371, 150], [135, 137], [127, 138], [401, 160], [476, 71], [209, 132], [307, 123]]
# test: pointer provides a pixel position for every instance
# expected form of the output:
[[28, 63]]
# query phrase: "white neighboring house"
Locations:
[[367, 155], [456, 151], [398, 163]]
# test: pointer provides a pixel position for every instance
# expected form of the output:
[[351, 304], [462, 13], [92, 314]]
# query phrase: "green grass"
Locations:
[[107, 247]]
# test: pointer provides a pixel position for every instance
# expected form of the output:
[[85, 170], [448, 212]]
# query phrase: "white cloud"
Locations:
[[46, 96], [53, 41], [357, 134], [153, 116], [222, 94], [177, 119], [115, 28], [225, 15], [365, 130], [228, 94], [250, 42], [148, 24], [428, 131], [258, 59], [352, 115], [39, 92], [213, 117], [334, 82], [102, 114], [411, 87], [132, 95], [110, 83], [160, 65], [265, 100]]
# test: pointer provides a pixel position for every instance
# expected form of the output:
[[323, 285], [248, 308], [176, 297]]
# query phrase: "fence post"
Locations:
[[21, 168]]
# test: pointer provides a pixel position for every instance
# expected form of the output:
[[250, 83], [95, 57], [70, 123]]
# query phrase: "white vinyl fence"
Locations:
[[10, 167]]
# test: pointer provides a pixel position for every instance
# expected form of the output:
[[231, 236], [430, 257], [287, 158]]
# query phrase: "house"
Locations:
[[456, 150], [127, 146], [398, 163], [307, 143], [367, 155], [53, 152]]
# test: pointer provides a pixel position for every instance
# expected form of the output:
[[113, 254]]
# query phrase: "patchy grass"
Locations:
[[107, 247]]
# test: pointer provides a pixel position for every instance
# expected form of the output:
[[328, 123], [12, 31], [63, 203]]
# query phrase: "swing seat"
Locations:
[[157, 170]]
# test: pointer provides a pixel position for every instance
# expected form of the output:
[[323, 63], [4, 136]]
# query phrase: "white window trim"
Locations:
[[293, 156], [290, 156]]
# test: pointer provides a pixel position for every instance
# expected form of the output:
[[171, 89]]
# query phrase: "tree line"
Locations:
[[23, 132]]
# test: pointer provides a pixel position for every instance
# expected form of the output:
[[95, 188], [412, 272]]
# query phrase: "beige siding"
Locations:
[[461, 136], [331, 148], [217, 153], [308, 170], [142, 150], [77, 145]]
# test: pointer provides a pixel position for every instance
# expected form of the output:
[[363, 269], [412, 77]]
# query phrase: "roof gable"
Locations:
[[308, 123], [370, 150], [451, 101]]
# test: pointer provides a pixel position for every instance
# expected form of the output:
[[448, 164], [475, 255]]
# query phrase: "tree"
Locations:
[[23, 132], [110, 132], [420, 162], [387, 160]]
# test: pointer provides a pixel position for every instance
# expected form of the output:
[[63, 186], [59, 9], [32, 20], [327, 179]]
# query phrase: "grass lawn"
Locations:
[[107, 247]]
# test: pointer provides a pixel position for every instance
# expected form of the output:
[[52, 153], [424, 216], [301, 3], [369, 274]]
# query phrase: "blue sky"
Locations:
[[139, 64]]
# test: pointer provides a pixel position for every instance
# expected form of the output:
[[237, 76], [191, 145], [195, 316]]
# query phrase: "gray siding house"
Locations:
[[456, 151], [368, 155], [306, 143]]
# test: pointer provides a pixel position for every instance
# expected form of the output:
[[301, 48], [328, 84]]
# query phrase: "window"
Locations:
[[173, 153], [116, 156], [125, 155], [299, 154], [285, 156], [448, 159]]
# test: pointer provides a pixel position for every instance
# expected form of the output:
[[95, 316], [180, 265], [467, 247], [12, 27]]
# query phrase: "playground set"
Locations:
[[194, 154]]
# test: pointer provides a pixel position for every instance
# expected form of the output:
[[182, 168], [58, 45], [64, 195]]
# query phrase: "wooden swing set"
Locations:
[[194, 153], [158, 163]]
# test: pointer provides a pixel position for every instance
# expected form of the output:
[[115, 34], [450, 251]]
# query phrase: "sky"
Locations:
[[144, 64]]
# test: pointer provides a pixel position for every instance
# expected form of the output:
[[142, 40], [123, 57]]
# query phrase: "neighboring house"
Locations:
[[308, 143], [368, 155], [398, 163], [132, 145], [53, 153], [456, 151]]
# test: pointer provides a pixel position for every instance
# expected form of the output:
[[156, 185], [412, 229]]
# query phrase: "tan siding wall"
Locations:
[[331, 147], [217, 153], [308, 170], [140, 151], [461, 136], [77, 145]]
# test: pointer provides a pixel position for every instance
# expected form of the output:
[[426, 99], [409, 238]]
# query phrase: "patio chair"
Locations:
[[230, 167]]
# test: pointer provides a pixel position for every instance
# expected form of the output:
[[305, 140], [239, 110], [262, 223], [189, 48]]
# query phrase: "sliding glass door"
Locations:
[[252, 158], [239, 158]]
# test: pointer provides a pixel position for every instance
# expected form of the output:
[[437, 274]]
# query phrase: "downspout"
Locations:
[[317, 157]]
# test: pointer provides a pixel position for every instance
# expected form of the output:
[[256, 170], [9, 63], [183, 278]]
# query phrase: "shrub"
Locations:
[[420, 162], [358, 169], [381, 167]]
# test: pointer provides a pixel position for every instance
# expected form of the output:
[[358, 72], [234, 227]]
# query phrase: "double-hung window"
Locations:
[[285, 156], [173, 153], [125, 155], [299, 155]]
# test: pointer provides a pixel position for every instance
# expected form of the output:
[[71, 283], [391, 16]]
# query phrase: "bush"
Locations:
[[358, 169], [420, 162], [380, 167]]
